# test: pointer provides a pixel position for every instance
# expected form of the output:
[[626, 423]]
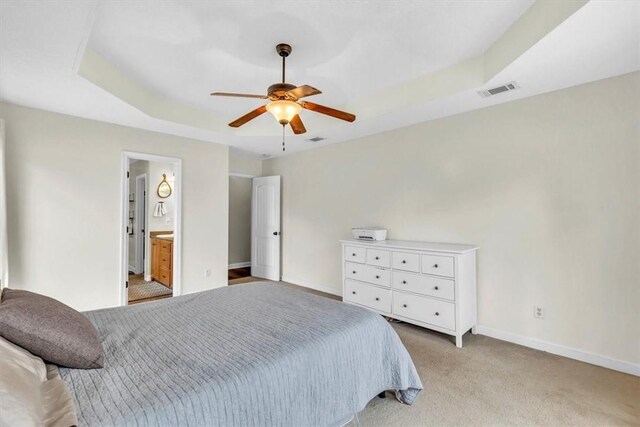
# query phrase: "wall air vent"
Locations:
[[316, 139], [500, 89]]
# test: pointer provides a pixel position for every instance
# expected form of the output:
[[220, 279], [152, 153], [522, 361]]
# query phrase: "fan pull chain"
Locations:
[[283, 148]]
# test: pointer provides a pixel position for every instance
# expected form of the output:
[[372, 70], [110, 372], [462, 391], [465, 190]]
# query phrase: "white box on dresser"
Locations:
[[432, 285]]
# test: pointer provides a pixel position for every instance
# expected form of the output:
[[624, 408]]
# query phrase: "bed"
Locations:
[[244, 355]]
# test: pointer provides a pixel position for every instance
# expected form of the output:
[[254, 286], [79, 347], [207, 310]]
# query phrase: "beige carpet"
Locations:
[[493, 383], [139, 289]]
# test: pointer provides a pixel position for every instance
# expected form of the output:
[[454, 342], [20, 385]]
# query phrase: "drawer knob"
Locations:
[[437, 314], [353, 292], [377, 299], [404, 261], [353, 254], [404, 282], [377, 277], [377, 257], [354, 272], [436, 288], [435, 265], [404, 305]]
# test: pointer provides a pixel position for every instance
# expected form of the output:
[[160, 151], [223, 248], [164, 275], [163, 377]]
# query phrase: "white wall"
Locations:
[[63, 188], [165, 222], [240, 204], [548, 187]]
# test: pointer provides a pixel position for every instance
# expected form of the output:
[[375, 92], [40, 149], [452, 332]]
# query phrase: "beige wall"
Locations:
[[63, 188], [548, 186], [240, 205], [239, 220]]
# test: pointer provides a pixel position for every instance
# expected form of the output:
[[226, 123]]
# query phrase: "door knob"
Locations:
[[275, 233]]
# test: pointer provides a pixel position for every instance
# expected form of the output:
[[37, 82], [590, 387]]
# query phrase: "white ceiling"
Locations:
[[187, 50], [182, 51]]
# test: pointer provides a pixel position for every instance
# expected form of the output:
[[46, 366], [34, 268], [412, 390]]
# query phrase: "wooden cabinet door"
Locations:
[[155, 256]]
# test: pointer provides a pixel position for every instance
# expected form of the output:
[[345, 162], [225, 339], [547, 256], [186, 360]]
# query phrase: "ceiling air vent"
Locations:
[[500, 89], [316, 139]]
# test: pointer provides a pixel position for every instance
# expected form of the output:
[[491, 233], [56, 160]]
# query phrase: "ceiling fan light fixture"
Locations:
[[284, 111]]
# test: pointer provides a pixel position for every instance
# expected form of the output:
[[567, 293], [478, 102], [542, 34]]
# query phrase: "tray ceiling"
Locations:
[[152, 64]]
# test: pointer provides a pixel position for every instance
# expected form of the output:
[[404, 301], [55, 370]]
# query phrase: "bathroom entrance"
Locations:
[[151, 212]]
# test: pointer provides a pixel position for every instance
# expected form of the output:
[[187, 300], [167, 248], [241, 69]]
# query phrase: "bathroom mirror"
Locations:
[[164, 189]]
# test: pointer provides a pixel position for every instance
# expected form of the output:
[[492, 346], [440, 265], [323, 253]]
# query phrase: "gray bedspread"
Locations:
[[257, 354]]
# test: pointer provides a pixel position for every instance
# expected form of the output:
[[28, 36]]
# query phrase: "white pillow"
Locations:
[[32, 393], [23, 374]]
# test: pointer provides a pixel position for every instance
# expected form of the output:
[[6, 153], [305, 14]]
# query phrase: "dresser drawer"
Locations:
[[438, 265], [378, 258], [406, 261], [165, 260], [165, 246], [367, 295], [425, 309], [368, 273], [165, 277], [426, 285], [354, 254]]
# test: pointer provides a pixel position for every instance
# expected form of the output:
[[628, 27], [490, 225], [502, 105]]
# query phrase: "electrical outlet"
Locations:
[[538, 312], [207, 273]]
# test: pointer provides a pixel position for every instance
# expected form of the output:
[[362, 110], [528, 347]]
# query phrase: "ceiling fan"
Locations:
[[285, 104]]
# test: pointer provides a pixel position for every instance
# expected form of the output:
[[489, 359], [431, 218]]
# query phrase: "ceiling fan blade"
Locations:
[[302, 91], [342, 115], [239, 95], [249, 116], [297, 125]]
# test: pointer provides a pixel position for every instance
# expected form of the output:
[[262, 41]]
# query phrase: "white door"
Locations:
[[140, 219], [265, 228]]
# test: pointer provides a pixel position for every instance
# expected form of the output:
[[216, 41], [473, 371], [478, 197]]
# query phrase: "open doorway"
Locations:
[[240, 228], [151, 224], [254, 228]]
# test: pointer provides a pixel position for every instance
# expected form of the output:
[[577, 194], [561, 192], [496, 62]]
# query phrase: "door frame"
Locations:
[[140, 209], [126, 157]]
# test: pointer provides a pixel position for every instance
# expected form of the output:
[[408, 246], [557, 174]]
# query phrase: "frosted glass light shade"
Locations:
[[284, 111]]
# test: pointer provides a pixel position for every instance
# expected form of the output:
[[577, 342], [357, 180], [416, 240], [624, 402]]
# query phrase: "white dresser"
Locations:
[[432, 285]]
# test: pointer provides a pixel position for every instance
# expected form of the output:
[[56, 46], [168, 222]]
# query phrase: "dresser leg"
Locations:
[[474, 330], [459, 341]]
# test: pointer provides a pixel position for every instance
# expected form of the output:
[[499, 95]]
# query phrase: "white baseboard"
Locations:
[[321, 288], [561, 350], [239, 265], [147, 277]]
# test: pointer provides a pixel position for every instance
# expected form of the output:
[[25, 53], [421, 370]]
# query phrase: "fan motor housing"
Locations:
[[280, 89]]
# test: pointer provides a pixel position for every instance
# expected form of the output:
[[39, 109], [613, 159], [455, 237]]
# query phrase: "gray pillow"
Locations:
[[49, 329]]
